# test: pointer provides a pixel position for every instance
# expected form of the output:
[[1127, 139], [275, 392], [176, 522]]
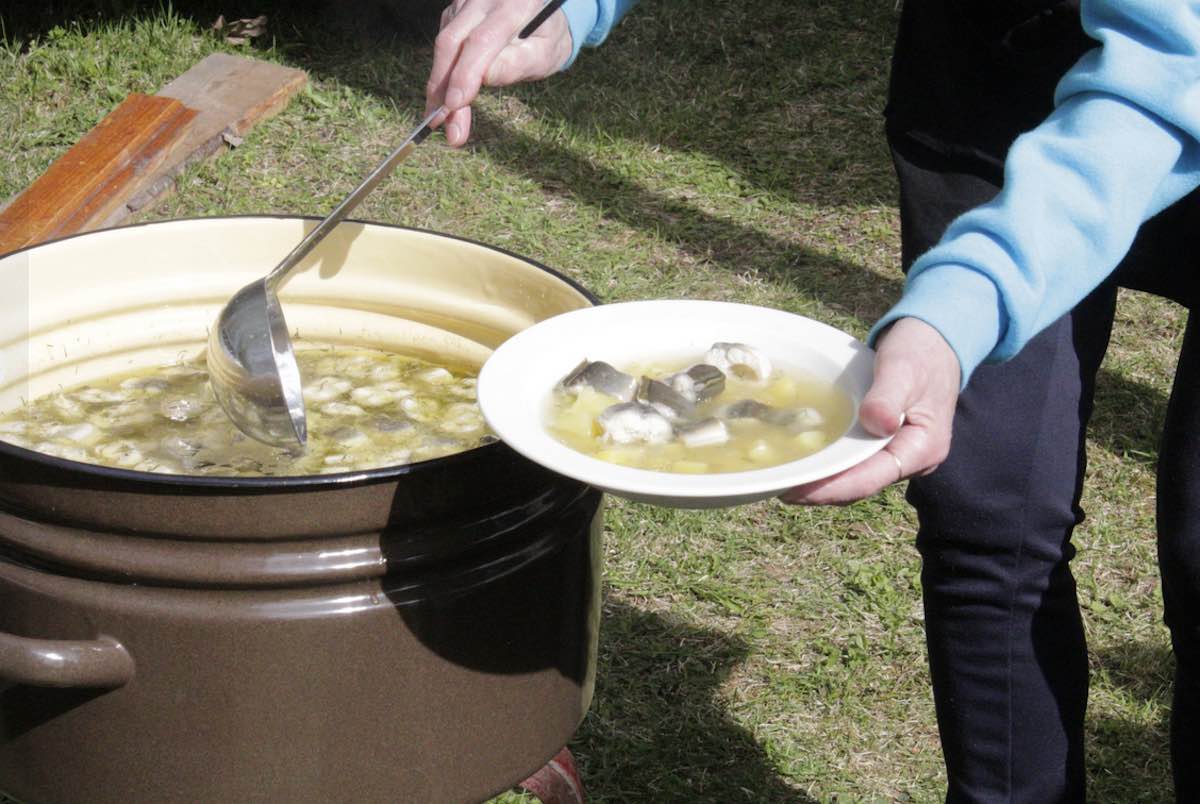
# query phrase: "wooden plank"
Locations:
[[232, 94], [132, 157], [90, 181]]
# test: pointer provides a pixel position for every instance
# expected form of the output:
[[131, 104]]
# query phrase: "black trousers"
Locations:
[[1006, 643]]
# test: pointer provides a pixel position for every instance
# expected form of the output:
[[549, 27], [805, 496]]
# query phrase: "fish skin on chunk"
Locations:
[[601, 377], [753, 409], [746, 409], [795, 420], [699, 383], [665, 399]]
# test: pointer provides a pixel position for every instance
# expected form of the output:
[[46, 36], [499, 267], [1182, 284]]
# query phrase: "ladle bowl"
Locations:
[[252, 369], [251, 363]]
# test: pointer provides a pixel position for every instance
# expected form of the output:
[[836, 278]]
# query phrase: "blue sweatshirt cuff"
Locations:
[[939, 298], [590, 21], [581, 20]]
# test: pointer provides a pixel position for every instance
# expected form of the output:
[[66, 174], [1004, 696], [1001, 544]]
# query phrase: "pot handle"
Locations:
[[102, 663]]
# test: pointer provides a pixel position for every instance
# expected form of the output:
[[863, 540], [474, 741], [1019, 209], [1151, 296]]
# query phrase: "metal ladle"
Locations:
[[251, 363]]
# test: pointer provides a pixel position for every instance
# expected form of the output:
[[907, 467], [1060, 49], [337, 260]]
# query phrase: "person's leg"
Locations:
[[1007, 655], [1179, 559]]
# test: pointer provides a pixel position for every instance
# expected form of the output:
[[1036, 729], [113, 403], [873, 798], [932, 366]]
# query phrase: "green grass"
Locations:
[[732, 151]]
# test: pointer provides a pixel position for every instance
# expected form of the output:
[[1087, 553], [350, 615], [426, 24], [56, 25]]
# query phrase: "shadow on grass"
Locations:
[[696, 124], [625, 96], [1129, 760], [657, 730], [414, 20], [790, 108], [845, 287], [789, 101], [1128, 418]]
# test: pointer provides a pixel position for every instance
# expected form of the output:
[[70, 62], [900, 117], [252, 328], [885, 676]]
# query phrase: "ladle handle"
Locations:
[[539, 18], [279, 273], [102, 663], [276, 278]]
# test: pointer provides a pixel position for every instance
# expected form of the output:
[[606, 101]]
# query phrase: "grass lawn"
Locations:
[[710, 150]]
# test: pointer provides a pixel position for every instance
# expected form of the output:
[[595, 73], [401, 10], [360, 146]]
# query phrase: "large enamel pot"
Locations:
[[423, 633]]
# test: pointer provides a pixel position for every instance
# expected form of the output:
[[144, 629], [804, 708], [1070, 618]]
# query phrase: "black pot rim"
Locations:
[[271, 482]]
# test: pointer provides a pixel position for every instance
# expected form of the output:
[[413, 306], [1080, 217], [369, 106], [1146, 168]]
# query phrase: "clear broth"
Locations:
[[753, 444], [366, 409]]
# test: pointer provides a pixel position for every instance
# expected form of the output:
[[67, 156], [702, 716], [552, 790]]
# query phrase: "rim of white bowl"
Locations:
[[516, 382]]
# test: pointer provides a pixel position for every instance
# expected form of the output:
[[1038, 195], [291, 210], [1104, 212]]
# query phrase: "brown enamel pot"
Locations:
[[422, 633]]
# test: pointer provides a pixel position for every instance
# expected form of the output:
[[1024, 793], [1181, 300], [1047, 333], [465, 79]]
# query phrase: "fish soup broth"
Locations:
[[764, 421], [366, 409]]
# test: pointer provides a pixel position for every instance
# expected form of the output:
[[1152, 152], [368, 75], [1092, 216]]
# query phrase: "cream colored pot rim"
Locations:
[[281, 217], [283, 482]]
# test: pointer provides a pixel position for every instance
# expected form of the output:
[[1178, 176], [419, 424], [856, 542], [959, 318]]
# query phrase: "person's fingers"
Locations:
[[444, 54], [913, 395], [863, 480], [458, 23], [479, 47], [912, 452], [476, 46], [457, 126], [890, 395]]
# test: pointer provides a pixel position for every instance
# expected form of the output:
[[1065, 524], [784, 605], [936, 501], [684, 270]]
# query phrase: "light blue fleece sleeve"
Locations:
[[1122, 144], [591, 20]]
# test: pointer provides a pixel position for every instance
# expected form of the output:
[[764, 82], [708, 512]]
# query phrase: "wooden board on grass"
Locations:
[[232, 94], [89, 182], [131, 158]]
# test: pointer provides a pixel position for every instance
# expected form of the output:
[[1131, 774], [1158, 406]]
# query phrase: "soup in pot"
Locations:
[[366, 409]]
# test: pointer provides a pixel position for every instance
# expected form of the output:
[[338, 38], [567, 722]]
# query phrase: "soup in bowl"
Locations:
[[815, 368]]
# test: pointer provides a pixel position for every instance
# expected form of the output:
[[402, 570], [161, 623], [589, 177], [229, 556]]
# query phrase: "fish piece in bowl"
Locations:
[[698, 419], [601, 378]]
